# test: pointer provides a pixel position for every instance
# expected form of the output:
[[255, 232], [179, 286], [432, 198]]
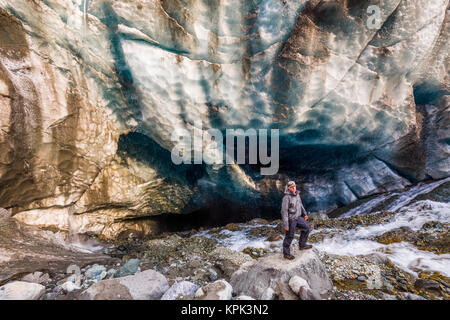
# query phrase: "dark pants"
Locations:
[[301, 224]]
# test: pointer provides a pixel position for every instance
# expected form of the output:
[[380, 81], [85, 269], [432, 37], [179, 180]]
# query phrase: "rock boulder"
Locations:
[[218, 290], [184, 290], [227, 260], [146, 285], [254, 278], [20, 290]]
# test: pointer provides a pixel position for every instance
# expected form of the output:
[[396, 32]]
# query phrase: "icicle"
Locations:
[[85, 8], [85, 4]]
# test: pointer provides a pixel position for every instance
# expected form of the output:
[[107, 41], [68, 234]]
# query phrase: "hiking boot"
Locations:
[[288, 256], [308, 246]]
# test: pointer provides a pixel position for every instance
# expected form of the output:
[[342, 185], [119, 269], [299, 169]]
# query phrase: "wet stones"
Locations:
[[353, 221], [275, 237], [433, 285], [258, 221], [255, 253], [432, 225], [263, 231], [427, 284], [433, 237], [320, 235], [379, 279], [437, 241], [232, 227], [397, 235], [317, 216]]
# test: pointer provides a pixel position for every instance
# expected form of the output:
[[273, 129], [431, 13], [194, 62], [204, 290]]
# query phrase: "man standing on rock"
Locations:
[[293, 214]]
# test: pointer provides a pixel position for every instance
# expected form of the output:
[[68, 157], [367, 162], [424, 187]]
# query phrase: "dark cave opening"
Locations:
[[223, 204], [215, 209], [216, 215]]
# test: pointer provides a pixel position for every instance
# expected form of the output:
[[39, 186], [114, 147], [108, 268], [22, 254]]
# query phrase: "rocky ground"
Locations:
[[199, 258], [362, 256]]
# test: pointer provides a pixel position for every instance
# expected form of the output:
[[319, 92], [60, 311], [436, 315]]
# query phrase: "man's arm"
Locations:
[[284, 212], [303, 210]]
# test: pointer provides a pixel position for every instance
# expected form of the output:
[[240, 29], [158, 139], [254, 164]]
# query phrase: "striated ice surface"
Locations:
[[400, 199], [247, 62]]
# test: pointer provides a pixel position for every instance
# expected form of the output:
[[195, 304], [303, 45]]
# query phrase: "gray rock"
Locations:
[[213, 274], [183, 290], [296, 282], [96, 272], [426, 284], [74, 278], [301, 287], [411, 296], [21, 290], [253, 278], [199, 294], [69, 286], [445, 284], [129, 268], [268, 294], [107, 290], [37, 277], [244, 298], [58, 289], [146, 285], [218, 290], [4, 214], [307, 294], [361, 278], [49, 296], [258, 221], [227, 260], [386, 296], [284, 292], [317, 216], [111, 272]]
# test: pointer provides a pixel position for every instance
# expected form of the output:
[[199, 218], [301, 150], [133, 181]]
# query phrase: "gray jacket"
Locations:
[[291, 207]]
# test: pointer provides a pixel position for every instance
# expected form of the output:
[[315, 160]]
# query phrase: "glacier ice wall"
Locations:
[[91, 92]]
